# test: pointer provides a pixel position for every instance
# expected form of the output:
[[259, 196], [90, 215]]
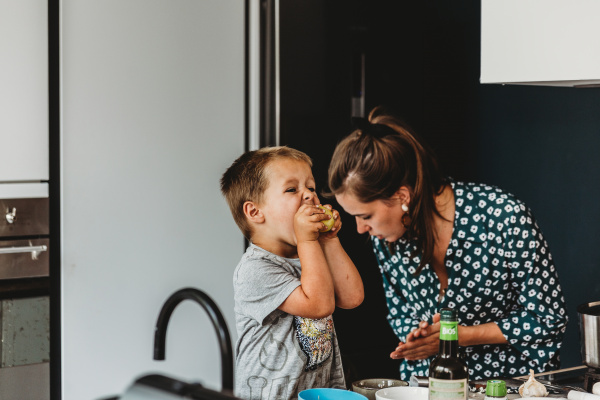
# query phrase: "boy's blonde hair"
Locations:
[[246, 180]]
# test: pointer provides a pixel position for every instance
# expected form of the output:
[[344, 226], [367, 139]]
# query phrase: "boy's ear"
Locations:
[[253, 213]]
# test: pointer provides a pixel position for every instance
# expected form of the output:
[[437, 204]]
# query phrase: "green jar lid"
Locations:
[[448, 315], [495, 388]]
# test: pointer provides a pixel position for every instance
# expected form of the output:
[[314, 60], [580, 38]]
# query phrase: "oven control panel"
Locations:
[[24, 217]]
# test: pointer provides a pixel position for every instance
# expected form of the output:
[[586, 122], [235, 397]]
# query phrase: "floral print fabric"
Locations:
[[314, 337], [499, 270]]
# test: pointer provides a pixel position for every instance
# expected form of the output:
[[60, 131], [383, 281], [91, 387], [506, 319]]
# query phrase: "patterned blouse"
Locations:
[[499, 269]]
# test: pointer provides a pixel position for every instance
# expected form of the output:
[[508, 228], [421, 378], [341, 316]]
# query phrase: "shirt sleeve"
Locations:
[[536, 326], [261, 285]]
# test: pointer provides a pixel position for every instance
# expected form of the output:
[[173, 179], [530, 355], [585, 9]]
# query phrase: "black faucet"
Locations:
[[160, 331]]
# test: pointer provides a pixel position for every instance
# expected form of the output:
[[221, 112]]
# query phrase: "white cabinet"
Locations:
[[23, 90], [540, 42]]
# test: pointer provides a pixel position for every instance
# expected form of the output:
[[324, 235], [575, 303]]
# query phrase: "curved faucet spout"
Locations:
[[160, 331]]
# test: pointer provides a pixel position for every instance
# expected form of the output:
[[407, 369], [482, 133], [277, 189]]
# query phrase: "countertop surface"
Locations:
[[559, 383], [515, 383]]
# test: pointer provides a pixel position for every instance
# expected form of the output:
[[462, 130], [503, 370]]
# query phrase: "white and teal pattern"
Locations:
[[499, 269]]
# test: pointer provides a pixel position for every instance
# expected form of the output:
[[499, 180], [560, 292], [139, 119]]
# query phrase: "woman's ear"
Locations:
[[403, 194], [253, 213]]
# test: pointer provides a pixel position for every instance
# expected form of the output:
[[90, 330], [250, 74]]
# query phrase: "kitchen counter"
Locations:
[[558, 383], [511, 382]]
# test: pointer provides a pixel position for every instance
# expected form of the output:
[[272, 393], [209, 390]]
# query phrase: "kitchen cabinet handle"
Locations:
[[34, 250]]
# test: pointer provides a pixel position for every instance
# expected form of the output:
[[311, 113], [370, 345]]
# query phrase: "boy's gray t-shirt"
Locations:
[[278, 354]]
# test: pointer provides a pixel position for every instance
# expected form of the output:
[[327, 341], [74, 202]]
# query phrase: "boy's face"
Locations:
[[291, 184]]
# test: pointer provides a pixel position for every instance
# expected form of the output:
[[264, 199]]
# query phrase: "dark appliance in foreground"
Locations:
[[161, 387]]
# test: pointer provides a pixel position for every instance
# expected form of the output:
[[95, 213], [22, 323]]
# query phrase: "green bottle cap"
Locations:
[[495, 388], [448, 315]]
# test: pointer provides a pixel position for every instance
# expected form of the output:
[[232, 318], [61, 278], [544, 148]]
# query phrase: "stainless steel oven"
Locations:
[[24, 291]]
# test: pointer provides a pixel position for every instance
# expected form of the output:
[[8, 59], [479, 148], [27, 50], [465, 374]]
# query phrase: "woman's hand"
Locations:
[[423, 342], [425, 329], [419, 349]]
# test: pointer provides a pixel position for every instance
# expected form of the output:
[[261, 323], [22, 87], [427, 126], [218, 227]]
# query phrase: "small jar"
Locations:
[[495, 390]]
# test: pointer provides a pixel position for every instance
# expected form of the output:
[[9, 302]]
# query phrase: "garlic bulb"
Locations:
[[532, 388]]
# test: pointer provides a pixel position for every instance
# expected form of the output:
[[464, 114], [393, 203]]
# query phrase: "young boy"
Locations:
[[290, 279]]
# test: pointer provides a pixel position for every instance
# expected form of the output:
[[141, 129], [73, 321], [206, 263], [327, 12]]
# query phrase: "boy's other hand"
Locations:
[[307, 223], [337, 224]]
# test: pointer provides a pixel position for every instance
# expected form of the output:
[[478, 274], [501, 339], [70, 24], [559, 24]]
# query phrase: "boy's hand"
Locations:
[[307, 223], [337, 225]]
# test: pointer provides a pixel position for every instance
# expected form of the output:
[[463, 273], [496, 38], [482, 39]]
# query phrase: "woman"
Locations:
[[441, 243]]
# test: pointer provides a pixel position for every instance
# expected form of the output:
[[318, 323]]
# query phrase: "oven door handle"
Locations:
[[34, 250]]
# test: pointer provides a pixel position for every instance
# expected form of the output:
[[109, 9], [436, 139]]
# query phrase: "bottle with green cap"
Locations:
[[448, 372], [495, 390]]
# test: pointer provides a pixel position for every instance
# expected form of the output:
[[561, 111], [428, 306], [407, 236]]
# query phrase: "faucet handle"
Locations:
[[217, 319]]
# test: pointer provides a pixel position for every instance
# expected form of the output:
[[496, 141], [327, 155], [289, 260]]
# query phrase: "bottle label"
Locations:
[[445, 389], [448, 330]]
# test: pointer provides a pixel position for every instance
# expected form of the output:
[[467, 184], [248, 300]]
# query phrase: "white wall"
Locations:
[[152, 114]]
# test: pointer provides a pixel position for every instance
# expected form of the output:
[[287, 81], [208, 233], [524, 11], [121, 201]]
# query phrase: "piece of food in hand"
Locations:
[[532, 388], [327, 222]]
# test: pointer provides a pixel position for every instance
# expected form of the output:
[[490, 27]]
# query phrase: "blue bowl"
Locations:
[[329, 394]]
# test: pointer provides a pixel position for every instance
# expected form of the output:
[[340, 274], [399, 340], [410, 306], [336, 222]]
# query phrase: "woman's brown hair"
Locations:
[[374, 166]]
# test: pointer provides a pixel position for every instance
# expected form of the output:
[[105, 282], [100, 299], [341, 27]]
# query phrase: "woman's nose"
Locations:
[[361, 227]]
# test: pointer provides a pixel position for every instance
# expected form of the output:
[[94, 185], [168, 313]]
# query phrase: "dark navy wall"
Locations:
[[543, 145], [540, 143], [422, 59]]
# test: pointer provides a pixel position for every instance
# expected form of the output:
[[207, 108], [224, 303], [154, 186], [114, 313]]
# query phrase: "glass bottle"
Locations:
[[448, 372]]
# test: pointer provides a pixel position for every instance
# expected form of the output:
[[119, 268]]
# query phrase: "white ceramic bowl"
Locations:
[[402, 393]]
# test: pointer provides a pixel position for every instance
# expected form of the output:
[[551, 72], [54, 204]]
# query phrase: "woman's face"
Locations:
[[376, 218]]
